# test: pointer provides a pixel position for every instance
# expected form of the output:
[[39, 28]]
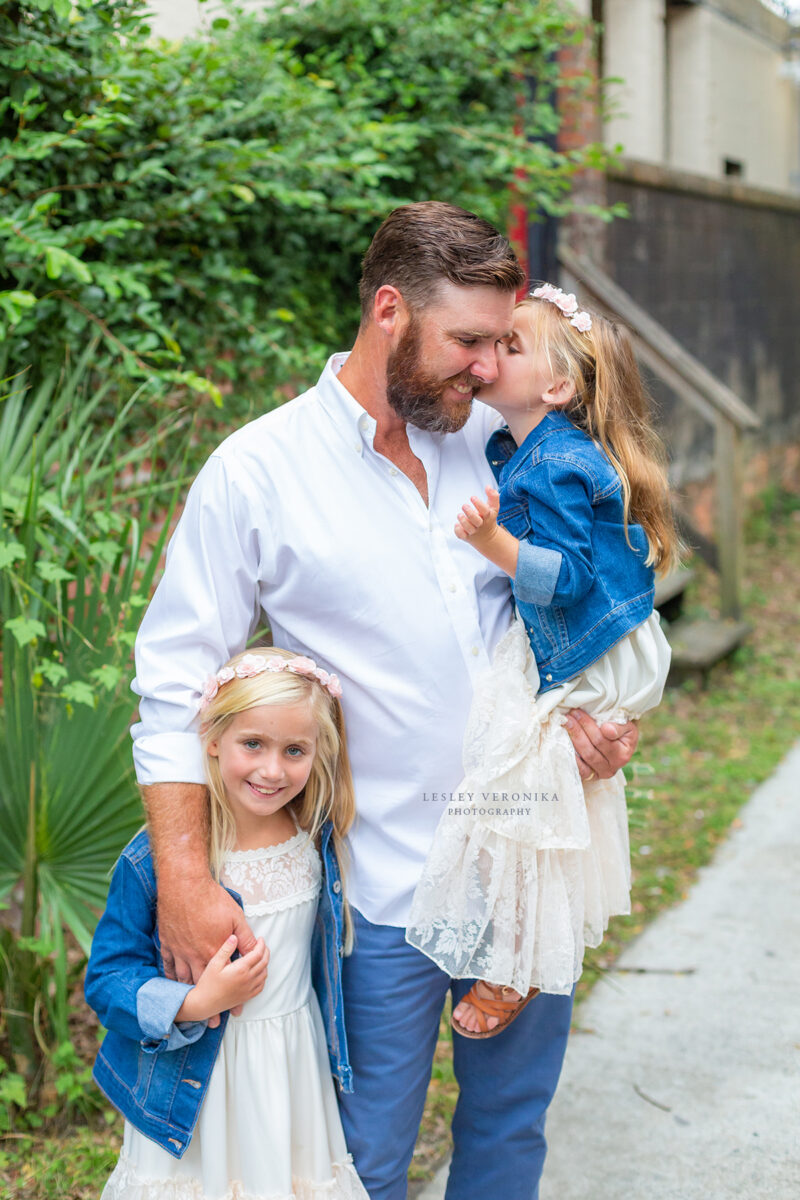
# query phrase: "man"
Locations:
[[334, 516]]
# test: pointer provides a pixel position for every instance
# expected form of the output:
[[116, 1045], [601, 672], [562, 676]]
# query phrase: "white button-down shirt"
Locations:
[[297, 517]]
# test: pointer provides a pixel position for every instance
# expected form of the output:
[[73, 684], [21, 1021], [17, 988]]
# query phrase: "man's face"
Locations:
[[447, 350]]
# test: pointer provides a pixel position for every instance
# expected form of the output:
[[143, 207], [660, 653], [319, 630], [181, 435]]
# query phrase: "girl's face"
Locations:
[[525, 387], [265, 757]]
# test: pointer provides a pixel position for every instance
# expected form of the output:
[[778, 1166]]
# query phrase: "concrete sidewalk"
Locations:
[[683, 1080]]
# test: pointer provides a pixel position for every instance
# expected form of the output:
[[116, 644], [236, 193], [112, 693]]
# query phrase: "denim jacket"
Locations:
[[156, 1072], [580, 587]]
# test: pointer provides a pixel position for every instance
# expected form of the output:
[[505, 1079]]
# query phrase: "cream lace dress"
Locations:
[[527, 863], [269, 1127]]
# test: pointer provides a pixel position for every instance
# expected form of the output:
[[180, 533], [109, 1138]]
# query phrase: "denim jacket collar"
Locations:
[[502, 451]]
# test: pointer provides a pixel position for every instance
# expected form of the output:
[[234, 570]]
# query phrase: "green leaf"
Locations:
[[11, 552], [59, 260], [79, 692], [53, 572], [25, 629]]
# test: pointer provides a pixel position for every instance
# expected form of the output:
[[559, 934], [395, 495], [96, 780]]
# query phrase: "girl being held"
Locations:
[[529, 864], [225, 1086]]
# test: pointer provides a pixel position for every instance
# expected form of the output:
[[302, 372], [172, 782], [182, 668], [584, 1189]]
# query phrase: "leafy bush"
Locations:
[[74, 574], [204, 206]]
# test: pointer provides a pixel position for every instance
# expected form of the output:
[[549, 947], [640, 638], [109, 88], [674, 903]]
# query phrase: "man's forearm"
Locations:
[[177, 816]]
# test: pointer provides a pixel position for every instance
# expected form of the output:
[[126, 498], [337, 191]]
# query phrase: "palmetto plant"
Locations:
[[74, 574]]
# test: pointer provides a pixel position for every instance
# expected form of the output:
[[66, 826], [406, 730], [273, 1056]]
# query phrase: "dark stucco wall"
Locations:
[[719, 267]]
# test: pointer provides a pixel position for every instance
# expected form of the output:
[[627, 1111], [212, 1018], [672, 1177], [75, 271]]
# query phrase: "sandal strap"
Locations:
[[490, 1006]]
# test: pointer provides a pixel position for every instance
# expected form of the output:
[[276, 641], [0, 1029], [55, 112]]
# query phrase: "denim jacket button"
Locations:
[[549, 678], [337, 887]]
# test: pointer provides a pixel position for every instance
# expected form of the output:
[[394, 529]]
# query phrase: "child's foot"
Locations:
[[488, 1009]]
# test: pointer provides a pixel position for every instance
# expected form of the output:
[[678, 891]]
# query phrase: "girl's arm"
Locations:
[[477, 524], [556, 561], [555, 564], [123, 983]]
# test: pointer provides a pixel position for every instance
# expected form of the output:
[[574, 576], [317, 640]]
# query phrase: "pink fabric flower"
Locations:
[[546, 292], [567, 303], [302, 665], [210, 689], [322, 676], [334, 687], [275, 665], [582, 322], [225, 675], [249, 666]]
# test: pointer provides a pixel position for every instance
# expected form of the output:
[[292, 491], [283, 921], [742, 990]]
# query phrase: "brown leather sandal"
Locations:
[[506, 1011]]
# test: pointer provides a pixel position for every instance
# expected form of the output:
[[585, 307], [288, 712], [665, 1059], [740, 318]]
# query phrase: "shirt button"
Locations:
[[548, 678], [357, 447], [393, 471], [453, 587], [337, 887], [475, 651]]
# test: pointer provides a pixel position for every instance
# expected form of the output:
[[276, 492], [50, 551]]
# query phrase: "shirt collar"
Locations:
[[350, 418]]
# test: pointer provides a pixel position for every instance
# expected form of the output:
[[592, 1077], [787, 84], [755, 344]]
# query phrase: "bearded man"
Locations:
[[333, 518]]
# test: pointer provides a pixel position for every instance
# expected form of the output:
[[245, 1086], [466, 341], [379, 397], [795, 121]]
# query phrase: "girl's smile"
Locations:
[[265, 757]]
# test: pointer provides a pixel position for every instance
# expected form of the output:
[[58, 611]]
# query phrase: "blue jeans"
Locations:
[[393, 998]]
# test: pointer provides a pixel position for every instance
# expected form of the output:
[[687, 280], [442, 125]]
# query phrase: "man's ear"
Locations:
[[389, 309], [560, 392]]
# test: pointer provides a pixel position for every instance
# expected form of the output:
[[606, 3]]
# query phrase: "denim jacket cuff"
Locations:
[[537, 574], [157, 1002]]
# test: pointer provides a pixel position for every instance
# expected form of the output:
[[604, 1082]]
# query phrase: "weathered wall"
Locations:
[[718, 265]]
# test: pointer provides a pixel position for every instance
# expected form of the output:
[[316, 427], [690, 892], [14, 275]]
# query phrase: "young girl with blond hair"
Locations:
[[528, 863], [226, 1086]]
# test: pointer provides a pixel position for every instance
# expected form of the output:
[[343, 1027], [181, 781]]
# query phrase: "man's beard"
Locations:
[[417, 397]]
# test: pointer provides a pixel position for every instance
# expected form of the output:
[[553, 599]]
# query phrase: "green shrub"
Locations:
[[204, 206]]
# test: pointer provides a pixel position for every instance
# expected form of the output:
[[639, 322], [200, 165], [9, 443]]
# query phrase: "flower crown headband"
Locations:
[[567, 303], [254, 664]]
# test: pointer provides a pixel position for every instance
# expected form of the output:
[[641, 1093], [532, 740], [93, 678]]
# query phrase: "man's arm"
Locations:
[[195, 914], [204, 610]]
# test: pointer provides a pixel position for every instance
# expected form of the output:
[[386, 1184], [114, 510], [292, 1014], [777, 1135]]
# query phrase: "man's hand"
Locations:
[[477, 524], [601, 750], [195, 914], [224, 984]]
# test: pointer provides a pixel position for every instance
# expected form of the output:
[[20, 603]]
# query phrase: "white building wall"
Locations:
[[703, 83], [634, 51]]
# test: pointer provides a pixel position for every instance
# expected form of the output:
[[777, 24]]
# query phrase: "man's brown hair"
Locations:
[[419, 245]]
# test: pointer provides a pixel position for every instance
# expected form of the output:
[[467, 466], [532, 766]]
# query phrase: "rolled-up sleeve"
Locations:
[[157, 1003], [557, 565], [537, 573], [205, 609]]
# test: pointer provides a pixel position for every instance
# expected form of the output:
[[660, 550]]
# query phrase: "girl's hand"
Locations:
[[477, 521], [224, 984], [477, 524]]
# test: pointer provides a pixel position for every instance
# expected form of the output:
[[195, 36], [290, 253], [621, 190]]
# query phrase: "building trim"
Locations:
[[670, 179]]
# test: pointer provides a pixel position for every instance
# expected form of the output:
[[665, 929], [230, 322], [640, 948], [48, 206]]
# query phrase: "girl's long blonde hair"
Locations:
[[612, 406], [328, 793]]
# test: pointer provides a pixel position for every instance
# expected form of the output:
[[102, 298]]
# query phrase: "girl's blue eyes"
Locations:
[[292, 751]]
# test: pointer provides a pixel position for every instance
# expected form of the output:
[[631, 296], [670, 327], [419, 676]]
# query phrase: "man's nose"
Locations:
[[485, 365]]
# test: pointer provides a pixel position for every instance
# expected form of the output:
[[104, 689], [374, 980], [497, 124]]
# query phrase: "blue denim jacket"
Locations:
[[580, 587], [157, 1072]]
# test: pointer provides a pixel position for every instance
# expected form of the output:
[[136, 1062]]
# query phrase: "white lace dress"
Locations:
[[269, 1127], [527, 863]]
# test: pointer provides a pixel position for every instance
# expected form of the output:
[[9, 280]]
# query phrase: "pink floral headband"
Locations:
[[255, 664], [568, 305]]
